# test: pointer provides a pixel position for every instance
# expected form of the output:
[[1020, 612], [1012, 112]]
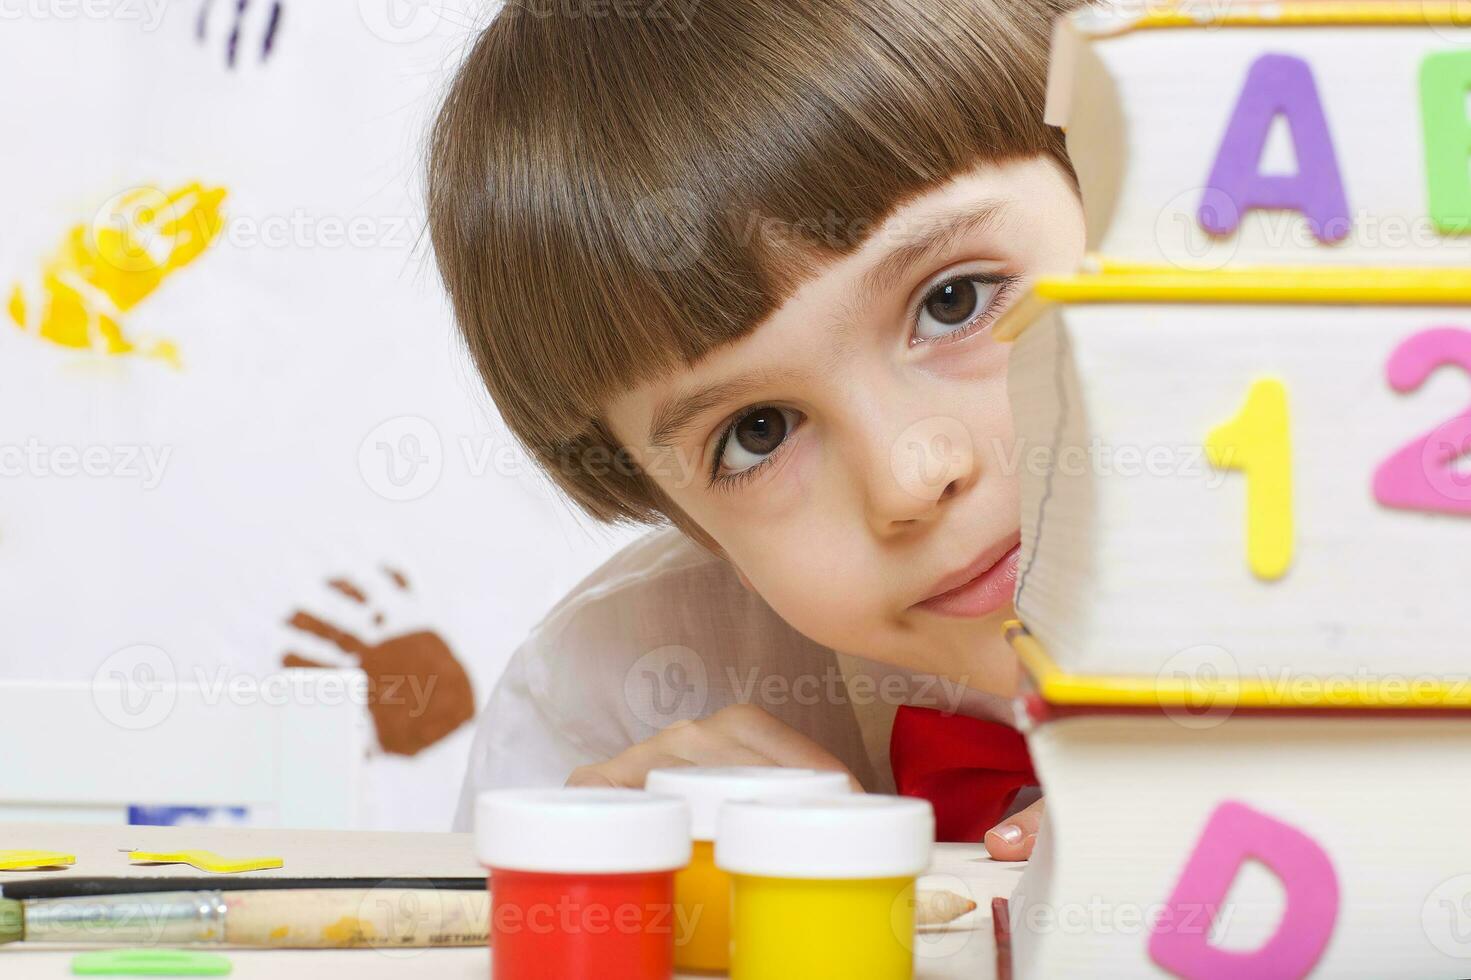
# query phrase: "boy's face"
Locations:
[[853, 456]]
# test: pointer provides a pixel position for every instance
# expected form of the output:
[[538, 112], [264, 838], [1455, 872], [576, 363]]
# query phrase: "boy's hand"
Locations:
[[1012, 839], [740, 735]]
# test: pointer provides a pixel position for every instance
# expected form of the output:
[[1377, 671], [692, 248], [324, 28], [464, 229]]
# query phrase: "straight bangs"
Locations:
[[618, 187]]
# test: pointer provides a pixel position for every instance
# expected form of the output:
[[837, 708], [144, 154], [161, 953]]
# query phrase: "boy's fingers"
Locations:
[[589, 776], [781, 744], [627, 769], [1012, 838], [741, 735], [632, 768]]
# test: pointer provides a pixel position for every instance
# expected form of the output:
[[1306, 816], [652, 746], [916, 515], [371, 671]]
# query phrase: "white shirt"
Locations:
[[665, 631]]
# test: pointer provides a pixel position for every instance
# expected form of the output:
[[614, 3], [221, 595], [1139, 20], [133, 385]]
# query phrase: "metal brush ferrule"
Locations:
[[160, 918]]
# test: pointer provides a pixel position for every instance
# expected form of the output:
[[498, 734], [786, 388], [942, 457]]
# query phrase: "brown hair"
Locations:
[[598, 166]]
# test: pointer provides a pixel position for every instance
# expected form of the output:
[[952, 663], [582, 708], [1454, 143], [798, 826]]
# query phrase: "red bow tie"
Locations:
[[970, 770]]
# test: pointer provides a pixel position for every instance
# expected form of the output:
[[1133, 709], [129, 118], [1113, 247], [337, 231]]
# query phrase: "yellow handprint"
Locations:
[[105, 268]]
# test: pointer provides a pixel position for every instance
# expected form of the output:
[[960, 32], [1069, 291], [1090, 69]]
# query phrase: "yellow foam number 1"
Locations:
[[1257, 443]]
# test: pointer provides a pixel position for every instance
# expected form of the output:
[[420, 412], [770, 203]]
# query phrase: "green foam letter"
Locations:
[[1444, 81]]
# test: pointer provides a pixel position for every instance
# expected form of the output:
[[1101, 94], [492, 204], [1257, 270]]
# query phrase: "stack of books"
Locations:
[[1244, 594]]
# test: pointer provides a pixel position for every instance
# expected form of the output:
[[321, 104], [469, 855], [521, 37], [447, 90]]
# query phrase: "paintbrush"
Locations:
[[53, 886], [932, 908], [299, 918]]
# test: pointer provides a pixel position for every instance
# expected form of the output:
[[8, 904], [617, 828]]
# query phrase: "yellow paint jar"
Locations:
[[702, 891], [823, 889]]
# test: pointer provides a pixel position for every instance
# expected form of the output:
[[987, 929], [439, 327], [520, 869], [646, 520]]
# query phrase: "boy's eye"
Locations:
[[953, 306], [753, 437]]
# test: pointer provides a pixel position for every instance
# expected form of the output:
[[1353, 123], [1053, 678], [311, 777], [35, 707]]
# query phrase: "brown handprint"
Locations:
[[417, 691]]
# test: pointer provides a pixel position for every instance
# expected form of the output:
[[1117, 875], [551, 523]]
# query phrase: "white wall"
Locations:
[[310, 334]]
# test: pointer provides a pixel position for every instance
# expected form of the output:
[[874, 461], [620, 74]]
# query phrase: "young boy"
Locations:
[[730, 265]]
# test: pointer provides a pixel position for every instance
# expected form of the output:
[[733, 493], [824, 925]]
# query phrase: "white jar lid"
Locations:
[[857, 836], [707, 788], [587, 831]]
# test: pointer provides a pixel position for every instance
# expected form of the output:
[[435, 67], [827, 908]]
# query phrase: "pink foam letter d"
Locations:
[[1179, 939]]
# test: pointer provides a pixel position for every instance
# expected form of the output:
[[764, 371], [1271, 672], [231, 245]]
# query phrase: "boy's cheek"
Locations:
[[846, 599], [805, 490], [833, 595]]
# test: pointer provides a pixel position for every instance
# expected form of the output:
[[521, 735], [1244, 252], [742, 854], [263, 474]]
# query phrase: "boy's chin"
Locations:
[[971, 651]]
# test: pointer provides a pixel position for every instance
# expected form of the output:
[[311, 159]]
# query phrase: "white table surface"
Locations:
[[964, 948]]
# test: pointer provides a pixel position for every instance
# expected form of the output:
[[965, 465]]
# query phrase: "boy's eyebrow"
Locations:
[[940, 232], [672, 417]]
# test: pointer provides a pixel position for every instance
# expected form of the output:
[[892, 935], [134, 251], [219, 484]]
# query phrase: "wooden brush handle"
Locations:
[[341, 918]]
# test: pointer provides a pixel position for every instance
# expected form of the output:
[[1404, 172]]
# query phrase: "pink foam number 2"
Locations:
[[1422, 475], [1179, 940]]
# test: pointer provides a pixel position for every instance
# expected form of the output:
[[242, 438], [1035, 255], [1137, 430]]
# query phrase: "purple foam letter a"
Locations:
[[1277, 84]]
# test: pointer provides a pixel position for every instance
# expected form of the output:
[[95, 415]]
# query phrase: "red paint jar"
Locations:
[[582, 882]]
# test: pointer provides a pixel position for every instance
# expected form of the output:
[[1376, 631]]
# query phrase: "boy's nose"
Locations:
[[926, 464]]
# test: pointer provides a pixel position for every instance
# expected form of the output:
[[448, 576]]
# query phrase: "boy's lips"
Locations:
[[979, 589]]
